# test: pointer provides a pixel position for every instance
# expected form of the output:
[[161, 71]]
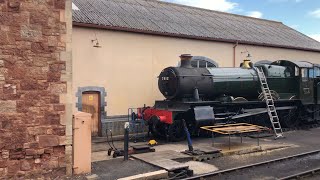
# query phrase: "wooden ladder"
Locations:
[[272, 112]]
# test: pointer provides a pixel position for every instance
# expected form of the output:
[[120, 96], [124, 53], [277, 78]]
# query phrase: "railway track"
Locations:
[[238, 170], [302, 174]]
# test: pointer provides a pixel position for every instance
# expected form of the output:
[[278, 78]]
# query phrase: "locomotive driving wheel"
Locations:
[[156, 127], [239, 99], [310, 114], [289, 119], [176, 131]]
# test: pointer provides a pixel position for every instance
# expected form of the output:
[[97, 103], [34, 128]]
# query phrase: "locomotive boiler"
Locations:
[[188, 83], [209, 95]]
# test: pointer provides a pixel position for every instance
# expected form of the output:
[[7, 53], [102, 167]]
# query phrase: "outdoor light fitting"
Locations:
[[96, 43], [249, 55]]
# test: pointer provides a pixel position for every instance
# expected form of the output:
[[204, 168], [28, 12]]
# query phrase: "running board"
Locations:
[[255, 112]]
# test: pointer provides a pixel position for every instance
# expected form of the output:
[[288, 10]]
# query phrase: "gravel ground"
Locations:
[[117, 168], [303, 141]]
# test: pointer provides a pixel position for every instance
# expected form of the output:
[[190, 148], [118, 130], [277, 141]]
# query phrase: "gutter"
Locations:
[[234, 53], [124, 29]]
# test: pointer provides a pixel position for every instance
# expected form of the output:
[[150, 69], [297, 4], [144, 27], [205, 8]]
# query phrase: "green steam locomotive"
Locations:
[[210, 95]]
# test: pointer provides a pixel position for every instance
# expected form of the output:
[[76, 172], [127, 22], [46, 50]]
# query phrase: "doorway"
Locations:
[[91, 104], [92, 96]]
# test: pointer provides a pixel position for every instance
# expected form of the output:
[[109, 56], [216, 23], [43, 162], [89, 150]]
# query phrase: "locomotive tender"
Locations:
[[210, 95]]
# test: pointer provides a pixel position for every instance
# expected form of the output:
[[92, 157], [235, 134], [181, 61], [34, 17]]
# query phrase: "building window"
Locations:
[[202, 62], [195, 64], [209, 65]]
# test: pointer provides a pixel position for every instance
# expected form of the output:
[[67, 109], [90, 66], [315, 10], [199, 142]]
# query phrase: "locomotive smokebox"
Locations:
[[185, 60], [184, 82]]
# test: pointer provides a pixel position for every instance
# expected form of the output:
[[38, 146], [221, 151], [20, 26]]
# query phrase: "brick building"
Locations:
[[35, 79]]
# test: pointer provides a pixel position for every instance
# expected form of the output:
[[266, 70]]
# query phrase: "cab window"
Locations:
[[304, 73], [316, 72], [296, 71], [311, 73]]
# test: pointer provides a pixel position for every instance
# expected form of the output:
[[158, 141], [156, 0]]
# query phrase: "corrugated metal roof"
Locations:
[[156, 17]]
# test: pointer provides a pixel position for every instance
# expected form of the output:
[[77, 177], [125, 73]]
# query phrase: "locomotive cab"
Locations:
[[317, 83], [303, 79], [306, 85]]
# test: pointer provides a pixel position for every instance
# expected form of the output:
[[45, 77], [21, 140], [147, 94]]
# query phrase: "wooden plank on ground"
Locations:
[[162, 174], [169, 165], [161, 155]]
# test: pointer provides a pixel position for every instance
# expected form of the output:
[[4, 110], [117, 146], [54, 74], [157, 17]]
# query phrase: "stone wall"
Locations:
[[35, 60]]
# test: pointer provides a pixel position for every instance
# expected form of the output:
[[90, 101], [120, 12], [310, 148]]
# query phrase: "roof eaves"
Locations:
[[87, 25]]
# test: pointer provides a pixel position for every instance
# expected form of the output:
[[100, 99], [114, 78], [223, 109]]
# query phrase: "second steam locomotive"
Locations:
[[210, 95]]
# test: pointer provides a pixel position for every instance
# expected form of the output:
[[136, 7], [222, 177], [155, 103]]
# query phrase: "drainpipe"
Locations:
[[234, 53]]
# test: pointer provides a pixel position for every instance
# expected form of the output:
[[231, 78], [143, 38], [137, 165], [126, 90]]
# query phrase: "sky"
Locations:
[[302, 15]]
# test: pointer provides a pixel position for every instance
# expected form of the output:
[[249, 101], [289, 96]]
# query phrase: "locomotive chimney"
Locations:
[[186, 60]]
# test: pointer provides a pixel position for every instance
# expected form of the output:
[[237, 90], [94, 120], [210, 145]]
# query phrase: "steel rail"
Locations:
[[302, 174], [252, 165]]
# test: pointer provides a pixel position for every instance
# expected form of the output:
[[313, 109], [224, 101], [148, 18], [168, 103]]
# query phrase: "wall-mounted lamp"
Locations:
[[248, 53], [95, 43]]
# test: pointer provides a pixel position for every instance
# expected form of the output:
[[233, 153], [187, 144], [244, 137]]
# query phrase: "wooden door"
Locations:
[[91, 104]]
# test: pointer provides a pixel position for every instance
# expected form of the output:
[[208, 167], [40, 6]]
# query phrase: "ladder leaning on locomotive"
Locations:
[[205, 96]]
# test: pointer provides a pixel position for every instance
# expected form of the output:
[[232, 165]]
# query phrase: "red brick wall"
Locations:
[[32, 36]]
